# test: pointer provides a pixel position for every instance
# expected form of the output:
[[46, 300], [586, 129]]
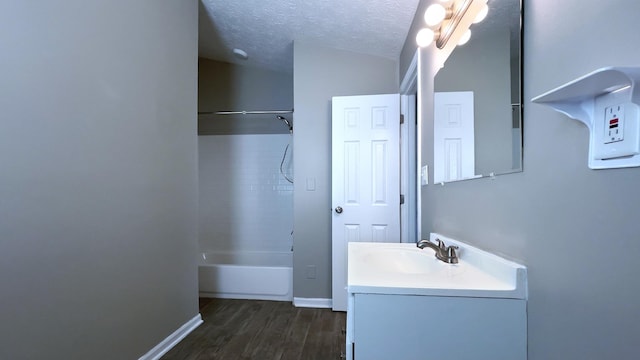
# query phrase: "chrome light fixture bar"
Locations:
[[447, 20], [448, 27]]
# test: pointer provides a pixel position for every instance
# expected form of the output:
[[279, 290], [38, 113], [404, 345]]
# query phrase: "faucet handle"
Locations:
[[451, 252], [441, 244]]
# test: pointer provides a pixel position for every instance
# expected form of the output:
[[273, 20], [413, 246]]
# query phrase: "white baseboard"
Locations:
[[312, 302], [173, 339], [245, 296]]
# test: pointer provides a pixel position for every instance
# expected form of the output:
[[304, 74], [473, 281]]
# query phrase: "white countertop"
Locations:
[[404, 269]]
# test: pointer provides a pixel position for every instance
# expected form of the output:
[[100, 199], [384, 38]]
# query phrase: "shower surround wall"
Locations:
[[246, 206], [245, 203]]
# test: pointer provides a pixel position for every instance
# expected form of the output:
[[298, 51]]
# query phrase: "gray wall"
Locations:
[[224, 86], [98, 183], [320, 73], [576, 229]]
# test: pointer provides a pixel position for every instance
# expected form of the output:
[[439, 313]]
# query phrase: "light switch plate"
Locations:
[[424, 175], [311, 184]]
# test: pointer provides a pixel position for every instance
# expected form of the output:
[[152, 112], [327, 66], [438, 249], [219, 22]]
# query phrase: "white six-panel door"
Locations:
[[453, 136], [365, 178]]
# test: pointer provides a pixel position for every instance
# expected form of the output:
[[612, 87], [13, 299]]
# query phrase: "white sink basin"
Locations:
[[406, 260], [396, 268]]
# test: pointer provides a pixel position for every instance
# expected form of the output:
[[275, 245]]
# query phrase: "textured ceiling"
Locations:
[[266, 29]]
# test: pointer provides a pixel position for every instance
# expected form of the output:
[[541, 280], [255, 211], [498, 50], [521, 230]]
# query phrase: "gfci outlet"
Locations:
[[613, 123], [617, 134], [311, 271]]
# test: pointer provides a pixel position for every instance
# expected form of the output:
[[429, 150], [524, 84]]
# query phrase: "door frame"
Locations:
[[410, 171]]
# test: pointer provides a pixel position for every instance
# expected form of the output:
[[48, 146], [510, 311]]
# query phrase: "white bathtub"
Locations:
[[246, 275]]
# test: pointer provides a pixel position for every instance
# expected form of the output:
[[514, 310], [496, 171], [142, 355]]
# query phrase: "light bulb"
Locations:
[[435, 14], [481, 14], [464, 38], [425, 37]]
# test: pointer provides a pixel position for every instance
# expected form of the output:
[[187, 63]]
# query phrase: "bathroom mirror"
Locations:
[[478, 101]]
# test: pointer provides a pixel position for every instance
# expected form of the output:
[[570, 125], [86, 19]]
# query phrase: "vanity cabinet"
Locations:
[[405, 304], [411, 327]]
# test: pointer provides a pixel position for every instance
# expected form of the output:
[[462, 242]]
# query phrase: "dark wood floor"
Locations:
[[256, 329]]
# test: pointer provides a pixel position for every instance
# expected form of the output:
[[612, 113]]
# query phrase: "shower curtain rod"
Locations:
[[254, 112]]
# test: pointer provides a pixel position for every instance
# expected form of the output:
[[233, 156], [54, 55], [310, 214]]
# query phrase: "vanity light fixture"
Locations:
[[435, 14], [425, 37], [464, 38], [443, 21], [481, 14]]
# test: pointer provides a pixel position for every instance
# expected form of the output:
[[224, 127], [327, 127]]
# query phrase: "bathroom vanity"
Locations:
[[405, 304]]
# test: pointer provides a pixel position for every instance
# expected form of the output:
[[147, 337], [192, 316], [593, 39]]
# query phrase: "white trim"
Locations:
[[173, 339], [411, 84], [312, 302], [269, 297], [419, 112], [408, 169], [411, 76], [404, 168]]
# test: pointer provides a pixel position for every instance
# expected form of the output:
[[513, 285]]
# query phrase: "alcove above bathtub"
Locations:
[[253, 97]]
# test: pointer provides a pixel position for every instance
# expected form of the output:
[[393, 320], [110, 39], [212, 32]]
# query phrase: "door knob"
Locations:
[[339, 210]]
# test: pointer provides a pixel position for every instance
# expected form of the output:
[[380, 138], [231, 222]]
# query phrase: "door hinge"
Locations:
[[401, 199], [401, 119]]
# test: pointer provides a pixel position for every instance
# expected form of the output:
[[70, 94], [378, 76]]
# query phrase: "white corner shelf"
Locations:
[[589, 98]]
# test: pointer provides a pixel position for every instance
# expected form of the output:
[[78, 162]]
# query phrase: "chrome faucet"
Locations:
[[443, 252]]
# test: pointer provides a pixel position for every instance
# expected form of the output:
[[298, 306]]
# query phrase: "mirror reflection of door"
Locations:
[[453, 135]]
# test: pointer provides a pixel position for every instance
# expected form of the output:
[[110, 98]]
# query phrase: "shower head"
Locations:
[[287, 122]]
